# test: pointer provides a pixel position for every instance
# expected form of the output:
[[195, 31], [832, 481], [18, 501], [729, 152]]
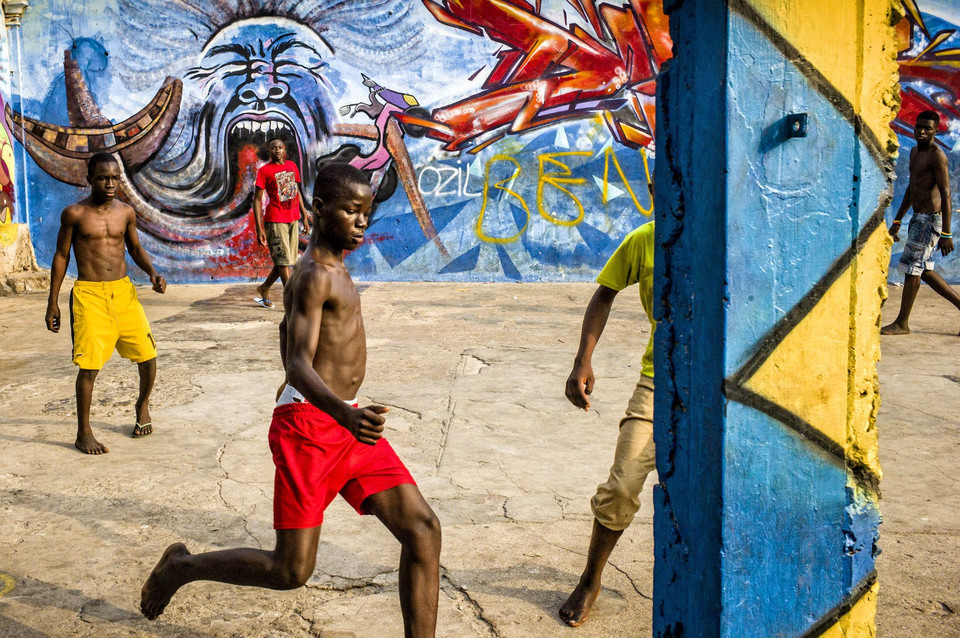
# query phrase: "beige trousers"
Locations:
[[618, 500]]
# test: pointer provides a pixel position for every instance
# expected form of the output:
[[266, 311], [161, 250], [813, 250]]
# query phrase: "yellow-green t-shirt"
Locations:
[[632, 263]]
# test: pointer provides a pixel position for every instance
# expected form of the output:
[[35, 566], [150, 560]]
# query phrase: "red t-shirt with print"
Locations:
[[280, 181]]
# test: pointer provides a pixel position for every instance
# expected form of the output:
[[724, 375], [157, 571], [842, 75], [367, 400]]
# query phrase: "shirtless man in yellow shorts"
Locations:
[[104, 311]]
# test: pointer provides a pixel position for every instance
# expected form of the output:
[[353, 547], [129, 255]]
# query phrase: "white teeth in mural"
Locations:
[[268, 128]]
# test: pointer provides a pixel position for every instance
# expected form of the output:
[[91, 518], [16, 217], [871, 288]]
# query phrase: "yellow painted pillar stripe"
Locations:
[[858, 622]]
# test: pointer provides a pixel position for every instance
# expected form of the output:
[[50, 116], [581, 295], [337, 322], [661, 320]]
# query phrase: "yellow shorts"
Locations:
[[105, 315]]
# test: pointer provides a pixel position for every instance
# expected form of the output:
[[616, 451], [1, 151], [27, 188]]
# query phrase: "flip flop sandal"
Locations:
[[138, 429], [265, 303]]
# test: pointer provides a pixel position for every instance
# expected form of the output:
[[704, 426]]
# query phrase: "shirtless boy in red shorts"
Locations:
[[322, 443]]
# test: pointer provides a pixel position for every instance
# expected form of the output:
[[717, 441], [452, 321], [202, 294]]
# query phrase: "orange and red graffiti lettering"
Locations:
[[548, 72]]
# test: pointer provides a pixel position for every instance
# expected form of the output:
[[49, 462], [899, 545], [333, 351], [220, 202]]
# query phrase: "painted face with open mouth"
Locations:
[[262, 81]]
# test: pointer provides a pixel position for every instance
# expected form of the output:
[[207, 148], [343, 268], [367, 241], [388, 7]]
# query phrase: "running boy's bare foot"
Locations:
[[89, 445], [161, 585], [894, 329], [577, 606]]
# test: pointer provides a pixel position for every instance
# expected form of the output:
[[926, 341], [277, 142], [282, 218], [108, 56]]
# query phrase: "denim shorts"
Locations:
[[922, 237]]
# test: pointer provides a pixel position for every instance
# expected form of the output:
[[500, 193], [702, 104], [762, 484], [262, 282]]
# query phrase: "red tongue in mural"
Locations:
[[247, 161]]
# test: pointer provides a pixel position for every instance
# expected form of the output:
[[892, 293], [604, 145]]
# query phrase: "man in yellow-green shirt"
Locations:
[[618, 499]]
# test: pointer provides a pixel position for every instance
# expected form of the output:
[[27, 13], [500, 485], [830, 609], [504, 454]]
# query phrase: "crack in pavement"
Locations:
[[937, 468], [476, 606], [223, 479], [311, 623], [419, 415], [915, 409], [509, 478], [630, 578], [609, 562], [356, 585], [445, 430], [451, 410], [352, 583]]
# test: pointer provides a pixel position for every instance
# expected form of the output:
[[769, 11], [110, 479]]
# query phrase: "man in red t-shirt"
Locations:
[[278, 228]]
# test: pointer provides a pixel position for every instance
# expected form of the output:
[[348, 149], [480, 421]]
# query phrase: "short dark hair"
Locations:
[[929, 115], [276, 139], [98, 159], [332, 177]]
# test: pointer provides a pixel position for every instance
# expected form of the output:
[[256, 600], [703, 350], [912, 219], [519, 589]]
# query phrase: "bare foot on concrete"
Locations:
[[161, 585], [577, 606], [894, 329], [89, 445]]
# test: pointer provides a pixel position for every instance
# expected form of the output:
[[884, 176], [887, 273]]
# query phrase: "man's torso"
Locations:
[[280, 181], [341, 355], [924, 194], [98, 240]]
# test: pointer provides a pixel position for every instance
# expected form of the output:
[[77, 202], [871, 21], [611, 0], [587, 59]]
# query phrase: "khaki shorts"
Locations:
[[283, 240], [618, 500]]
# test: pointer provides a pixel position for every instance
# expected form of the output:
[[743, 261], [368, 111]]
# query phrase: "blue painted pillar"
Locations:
[[690, 269], [770, 272]]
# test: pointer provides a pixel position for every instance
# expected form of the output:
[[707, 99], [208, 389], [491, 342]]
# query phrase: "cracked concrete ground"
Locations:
[[474, 374]]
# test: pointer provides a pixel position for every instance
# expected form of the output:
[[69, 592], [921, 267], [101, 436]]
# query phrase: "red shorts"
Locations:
[[316, 458]]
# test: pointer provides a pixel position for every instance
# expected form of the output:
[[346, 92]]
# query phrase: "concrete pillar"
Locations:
[[766, 516]]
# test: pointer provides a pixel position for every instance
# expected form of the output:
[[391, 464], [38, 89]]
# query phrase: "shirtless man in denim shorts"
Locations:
[[929, 194]]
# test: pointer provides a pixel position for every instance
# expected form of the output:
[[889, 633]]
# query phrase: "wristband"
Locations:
[[946, 235], [896, 221]]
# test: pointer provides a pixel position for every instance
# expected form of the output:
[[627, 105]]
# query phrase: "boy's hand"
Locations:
[[580, 386], [945, 245], [895, 230], [366, 424], [159, 283], [306, 225], [261, 236], [53, 317]]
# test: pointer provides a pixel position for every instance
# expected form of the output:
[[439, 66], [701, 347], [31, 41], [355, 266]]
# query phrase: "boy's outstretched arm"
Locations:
[[58, 268], [943, 184], [310, 288], [139, 254], [580, 382]]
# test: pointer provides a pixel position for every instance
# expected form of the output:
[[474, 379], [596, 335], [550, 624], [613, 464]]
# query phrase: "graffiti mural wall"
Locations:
[[929, 58], [506, 140]]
